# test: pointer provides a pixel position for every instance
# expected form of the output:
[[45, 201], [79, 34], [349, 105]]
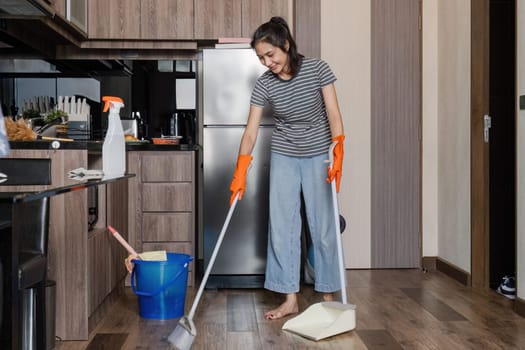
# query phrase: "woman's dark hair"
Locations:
[[277, 33]]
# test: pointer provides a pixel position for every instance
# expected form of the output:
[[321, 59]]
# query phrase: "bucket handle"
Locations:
[[158, 290]]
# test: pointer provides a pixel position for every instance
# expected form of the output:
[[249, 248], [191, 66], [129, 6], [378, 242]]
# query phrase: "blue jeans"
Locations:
[[288, 176]]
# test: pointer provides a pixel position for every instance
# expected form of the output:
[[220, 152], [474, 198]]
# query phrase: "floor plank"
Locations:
[[241, 315], [378, 339], [437, 308], [107, 341]]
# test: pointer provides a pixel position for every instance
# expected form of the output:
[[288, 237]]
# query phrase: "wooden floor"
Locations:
[[396, 309]]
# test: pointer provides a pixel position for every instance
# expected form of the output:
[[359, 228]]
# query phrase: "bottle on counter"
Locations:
[[114, 147]]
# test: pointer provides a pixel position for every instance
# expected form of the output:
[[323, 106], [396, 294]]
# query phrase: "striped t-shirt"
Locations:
[[301, 123]]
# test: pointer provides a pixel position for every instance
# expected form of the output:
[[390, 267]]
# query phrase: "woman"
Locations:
[[302, 95]]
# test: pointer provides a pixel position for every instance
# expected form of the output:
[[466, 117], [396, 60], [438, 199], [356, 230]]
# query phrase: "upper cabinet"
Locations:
[[76, 13], [237, 18], [181, 19], [166, 19], [140, 19], [114, 19], [217, 18], [256, 12]]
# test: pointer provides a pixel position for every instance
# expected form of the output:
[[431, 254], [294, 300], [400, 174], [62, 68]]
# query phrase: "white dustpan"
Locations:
[[323, 320], [326, 319]]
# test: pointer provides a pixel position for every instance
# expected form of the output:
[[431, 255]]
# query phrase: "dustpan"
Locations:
[[329, 318], [323, 320]]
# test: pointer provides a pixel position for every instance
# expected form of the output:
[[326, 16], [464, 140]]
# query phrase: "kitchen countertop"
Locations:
[[96, 146], [50, 191]]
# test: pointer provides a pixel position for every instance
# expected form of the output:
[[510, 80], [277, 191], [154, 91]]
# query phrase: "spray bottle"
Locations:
[[114, 147]]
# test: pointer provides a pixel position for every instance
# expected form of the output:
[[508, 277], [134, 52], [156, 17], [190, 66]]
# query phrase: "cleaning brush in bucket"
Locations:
[[157, 255]]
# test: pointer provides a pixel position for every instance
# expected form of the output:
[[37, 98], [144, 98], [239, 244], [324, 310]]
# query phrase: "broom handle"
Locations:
[[340, 257], [122, 240], [212, 259]]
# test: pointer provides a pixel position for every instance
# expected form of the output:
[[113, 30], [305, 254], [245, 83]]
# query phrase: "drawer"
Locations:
[[167, 196], [168, 168], [162, 227], [185, 248]]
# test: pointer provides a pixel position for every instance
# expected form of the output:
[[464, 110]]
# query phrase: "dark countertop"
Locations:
[[97, 146]]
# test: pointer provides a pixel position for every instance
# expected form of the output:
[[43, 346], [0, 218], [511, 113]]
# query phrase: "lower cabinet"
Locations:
[[88, 266], [162, 202]]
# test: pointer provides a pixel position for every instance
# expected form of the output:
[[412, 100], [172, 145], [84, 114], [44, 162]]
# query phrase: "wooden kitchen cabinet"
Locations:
[[76, 13], [59, 6], [162, 202], [114, 19], [87, 265], [215, 19], [256, 12], [140, 19], [166, 19], [181, 19], [237, 18]]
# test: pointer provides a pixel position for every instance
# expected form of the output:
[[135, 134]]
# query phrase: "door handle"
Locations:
[[487, 121]]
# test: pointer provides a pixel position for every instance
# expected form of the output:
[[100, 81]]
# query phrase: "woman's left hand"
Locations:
[[336, 169]]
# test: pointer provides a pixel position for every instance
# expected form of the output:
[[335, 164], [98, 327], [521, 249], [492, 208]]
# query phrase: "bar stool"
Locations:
[[33, 232], [1, 293], [4, 227]]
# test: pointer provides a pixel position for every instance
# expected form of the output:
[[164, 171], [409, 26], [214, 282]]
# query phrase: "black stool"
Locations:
[[32, 228]]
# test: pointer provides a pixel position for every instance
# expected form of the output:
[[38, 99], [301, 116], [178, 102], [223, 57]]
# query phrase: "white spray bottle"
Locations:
[[114, 147]]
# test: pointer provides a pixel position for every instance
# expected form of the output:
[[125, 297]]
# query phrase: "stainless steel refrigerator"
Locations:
[[229, 76]]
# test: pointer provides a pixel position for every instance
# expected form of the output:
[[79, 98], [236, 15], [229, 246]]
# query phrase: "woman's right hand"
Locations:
[[238, 183]]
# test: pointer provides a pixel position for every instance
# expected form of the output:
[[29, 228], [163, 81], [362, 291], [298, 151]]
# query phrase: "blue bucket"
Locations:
[[161, 286]]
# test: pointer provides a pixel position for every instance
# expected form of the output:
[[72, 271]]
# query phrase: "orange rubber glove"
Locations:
[[336, 170], [238, 183]]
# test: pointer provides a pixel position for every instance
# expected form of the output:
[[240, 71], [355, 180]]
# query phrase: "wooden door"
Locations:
[[479, 197], [395, 125], [226, 15]]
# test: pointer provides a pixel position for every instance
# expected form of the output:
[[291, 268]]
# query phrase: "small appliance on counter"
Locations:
[[130, 127], [182, 126], [134, 127]]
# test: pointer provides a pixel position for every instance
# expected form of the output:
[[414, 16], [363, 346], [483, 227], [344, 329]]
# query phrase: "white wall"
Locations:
[[430, 150], [345, 38], [520, 152], [454, 132]]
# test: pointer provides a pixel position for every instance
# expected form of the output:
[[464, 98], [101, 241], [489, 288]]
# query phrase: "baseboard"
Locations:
[[428, 263], [519, 306], [453, 271]]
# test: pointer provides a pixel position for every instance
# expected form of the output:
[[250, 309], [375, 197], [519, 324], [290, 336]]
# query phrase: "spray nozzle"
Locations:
[[112, 101]]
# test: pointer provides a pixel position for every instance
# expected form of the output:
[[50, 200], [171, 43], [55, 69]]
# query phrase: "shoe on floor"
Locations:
[[507, 287]]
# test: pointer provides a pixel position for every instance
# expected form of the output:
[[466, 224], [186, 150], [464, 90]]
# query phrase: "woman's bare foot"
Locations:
[[287, 308], [328, 296]]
